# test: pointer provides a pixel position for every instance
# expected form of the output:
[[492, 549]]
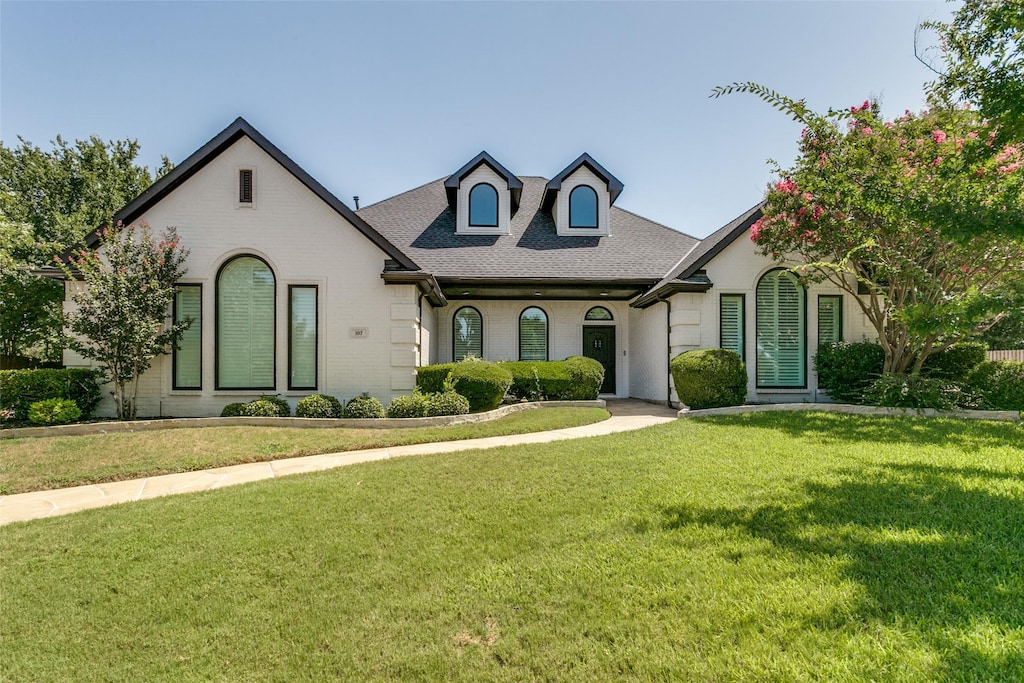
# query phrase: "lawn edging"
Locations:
[[302, 422], [851, 409]]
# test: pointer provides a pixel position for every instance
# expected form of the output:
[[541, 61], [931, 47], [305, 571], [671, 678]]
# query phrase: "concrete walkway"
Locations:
[[626, 415]]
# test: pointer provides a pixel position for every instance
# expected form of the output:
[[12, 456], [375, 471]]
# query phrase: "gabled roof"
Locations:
[[222, 141], [688, 273], [555, 184], [515, 185]]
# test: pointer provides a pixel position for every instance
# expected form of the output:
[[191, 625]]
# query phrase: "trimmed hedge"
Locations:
[[53, 411], [482, 382], [845, 370], [956, 362], [430, 378], [587, 376], [19, 389], [998, 385], [408, 406], [318, 405], [446, 403], [364, 407], [535, 380], [233, 410], [709, 378]]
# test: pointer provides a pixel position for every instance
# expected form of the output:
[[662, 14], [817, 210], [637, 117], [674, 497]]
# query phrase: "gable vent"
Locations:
[[245, 186]]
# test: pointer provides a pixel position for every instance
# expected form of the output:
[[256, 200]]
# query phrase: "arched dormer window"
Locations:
[[533, 334], [781, 331], [483, 206], [246, 311], [467, 333], [583, 207]]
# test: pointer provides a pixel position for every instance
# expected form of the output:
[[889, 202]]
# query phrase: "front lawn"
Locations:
[[772, 546], [60, 461]]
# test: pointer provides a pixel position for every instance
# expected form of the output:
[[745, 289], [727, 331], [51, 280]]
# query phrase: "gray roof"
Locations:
[[420, 224]]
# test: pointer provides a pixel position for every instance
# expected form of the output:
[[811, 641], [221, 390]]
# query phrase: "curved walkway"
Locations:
[[626, 415]]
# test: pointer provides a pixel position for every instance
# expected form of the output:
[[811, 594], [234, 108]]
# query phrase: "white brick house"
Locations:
[[294, 293]]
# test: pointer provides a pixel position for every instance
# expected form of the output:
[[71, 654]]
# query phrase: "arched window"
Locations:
[[533, 334], [583, 207], [245, 324], [483, 206], [467, 333], [598, 313], [781, 333]]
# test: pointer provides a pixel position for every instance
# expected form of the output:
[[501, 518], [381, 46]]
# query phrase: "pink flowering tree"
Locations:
[[920, 218], [123, 309]]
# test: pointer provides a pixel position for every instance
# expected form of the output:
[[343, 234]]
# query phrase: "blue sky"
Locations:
[[377, 98]]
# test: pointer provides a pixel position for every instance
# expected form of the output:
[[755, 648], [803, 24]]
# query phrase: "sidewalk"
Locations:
[[626, 415]]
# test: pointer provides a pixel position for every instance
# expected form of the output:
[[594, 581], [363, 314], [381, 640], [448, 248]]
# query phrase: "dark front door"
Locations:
[[599, 344]]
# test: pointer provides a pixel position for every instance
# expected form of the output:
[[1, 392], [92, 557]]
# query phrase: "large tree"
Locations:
[[920, 218]]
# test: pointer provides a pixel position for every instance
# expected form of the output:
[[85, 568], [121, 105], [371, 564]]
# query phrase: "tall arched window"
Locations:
[[245, 324], [467, 333], [483, 206], [533, 334], [583, 207], [781, 331]]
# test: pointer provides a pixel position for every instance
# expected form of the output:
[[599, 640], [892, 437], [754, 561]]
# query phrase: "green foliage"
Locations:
[[846, 369], [430, 378], [280, 405], [709, 378], [318, 405], [998, 385], [956, 362], [54, 411], [536, 380], [482, 382], [233, 410], [414, 405], [262, 407], [364, 407], [1007, 333], [21, 388], [446, 403], [587, 376], [121, 319], [912, 391]]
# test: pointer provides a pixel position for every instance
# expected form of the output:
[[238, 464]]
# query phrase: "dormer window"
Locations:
[[483, 206], [583, 207]]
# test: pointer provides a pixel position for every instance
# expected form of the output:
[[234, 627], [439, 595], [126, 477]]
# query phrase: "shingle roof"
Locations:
[[420, 223]]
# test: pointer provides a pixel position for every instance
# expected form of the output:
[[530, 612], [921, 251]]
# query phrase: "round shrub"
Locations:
[[364, 407], [956, 362], [998, 385], [283, 409], [446, 403], [262, 407], [482, 382], [709, 378], [430, 378], [845, 370], [912, 391], [408, 406], [53, 411], [318, 405], [586, 376], [233, 410]]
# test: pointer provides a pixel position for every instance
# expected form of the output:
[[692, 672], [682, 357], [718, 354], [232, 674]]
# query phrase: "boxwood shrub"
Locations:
[[408, 406], [19, 389], [998, 385], [318, 405], [430, 378], [261, 407], [482, 382], [233, 410], [845, 369], [709, 378], [446, 403], [586, 375], [53, 411], [364, 407], [535, 380]]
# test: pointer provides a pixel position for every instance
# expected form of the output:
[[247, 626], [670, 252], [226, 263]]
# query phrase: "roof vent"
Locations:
[[355, 200]]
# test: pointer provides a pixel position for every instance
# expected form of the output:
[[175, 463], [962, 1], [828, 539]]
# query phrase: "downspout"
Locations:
[[668, 349], [419, 323]]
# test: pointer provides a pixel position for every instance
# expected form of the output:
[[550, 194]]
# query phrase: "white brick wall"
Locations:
[[648, 363]]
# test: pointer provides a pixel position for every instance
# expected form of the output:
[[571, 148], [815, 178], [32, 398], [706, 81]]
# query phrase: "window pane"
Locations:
[[598, 313], [245, 325], [188, 368], [780, 331], [732, 323], [483, 206], [533, 335], [302, 338], [467, 331], [830, 319], [583, 207]]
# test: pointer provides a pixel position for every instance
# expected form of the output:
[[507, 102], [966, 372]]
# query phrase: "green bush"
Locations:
[[709, 378], [956, 362], [283, 409], [318, 405], [233, 410], [262, 407], [586, 375], [845, 370], [446, 403], [482, 382], [913, 391], [408, 406], [364, 407], [998, 385], [54, 411], [430, 378], [19, 389], [535, 380]]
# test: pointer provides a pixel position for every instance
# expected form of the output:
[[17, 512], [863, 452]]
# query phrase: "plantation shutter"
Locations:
[[830, 319], [302, 337], [780, 331], [245, 325], [467, 331], [188, 354], [533, 334], [732, 323]]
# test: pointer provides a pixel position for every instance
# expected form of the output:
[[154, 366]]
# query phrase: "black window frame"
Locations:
[[316, 339], [174, 352], [455, 316], [547, 332], [497, 207], [588, 319], [216, 327], [597, 208]]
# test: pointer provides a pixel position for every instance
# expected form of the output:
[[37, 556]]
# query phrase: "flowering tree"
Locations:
[[122, 315], [922, 215]]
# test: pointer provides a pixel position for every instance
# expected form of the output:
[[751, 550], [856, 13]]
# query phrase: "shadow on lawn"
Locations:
[[933, 547], [967, 435]]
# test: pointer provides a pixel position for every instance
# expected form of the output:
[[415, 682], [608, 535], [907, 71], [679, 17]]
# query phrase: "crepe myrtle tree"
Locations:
[[921, 215], [122, 317]]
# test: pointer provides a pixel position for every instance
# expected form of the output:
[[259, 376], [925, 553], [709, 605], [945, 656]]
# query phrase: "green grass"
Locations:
[[773, 546], [62, 461]]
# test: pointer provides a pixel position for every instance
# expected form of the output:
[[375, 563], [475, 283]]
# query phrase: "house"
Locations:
[[292, 292]]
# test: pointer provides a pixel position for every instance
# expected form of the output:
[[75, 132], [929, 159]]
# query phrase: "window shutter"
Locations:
[[188, 304], [302, 337], [245, 186], [732, 323], [780, 331], [830, 319], [245, 325]]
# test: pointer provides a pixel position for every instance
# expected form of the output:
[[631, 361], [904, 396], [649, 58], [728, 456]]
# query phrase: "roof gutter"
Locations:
[[425, 281]]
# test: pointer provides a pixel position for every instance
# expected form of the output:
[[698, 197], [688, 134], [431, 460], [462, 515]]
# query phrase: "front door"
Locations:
[[599, 344]]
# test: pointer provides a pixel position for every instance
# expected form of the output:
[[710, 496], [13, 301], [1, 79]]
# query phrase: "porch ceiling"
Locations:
[[548, 288]]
